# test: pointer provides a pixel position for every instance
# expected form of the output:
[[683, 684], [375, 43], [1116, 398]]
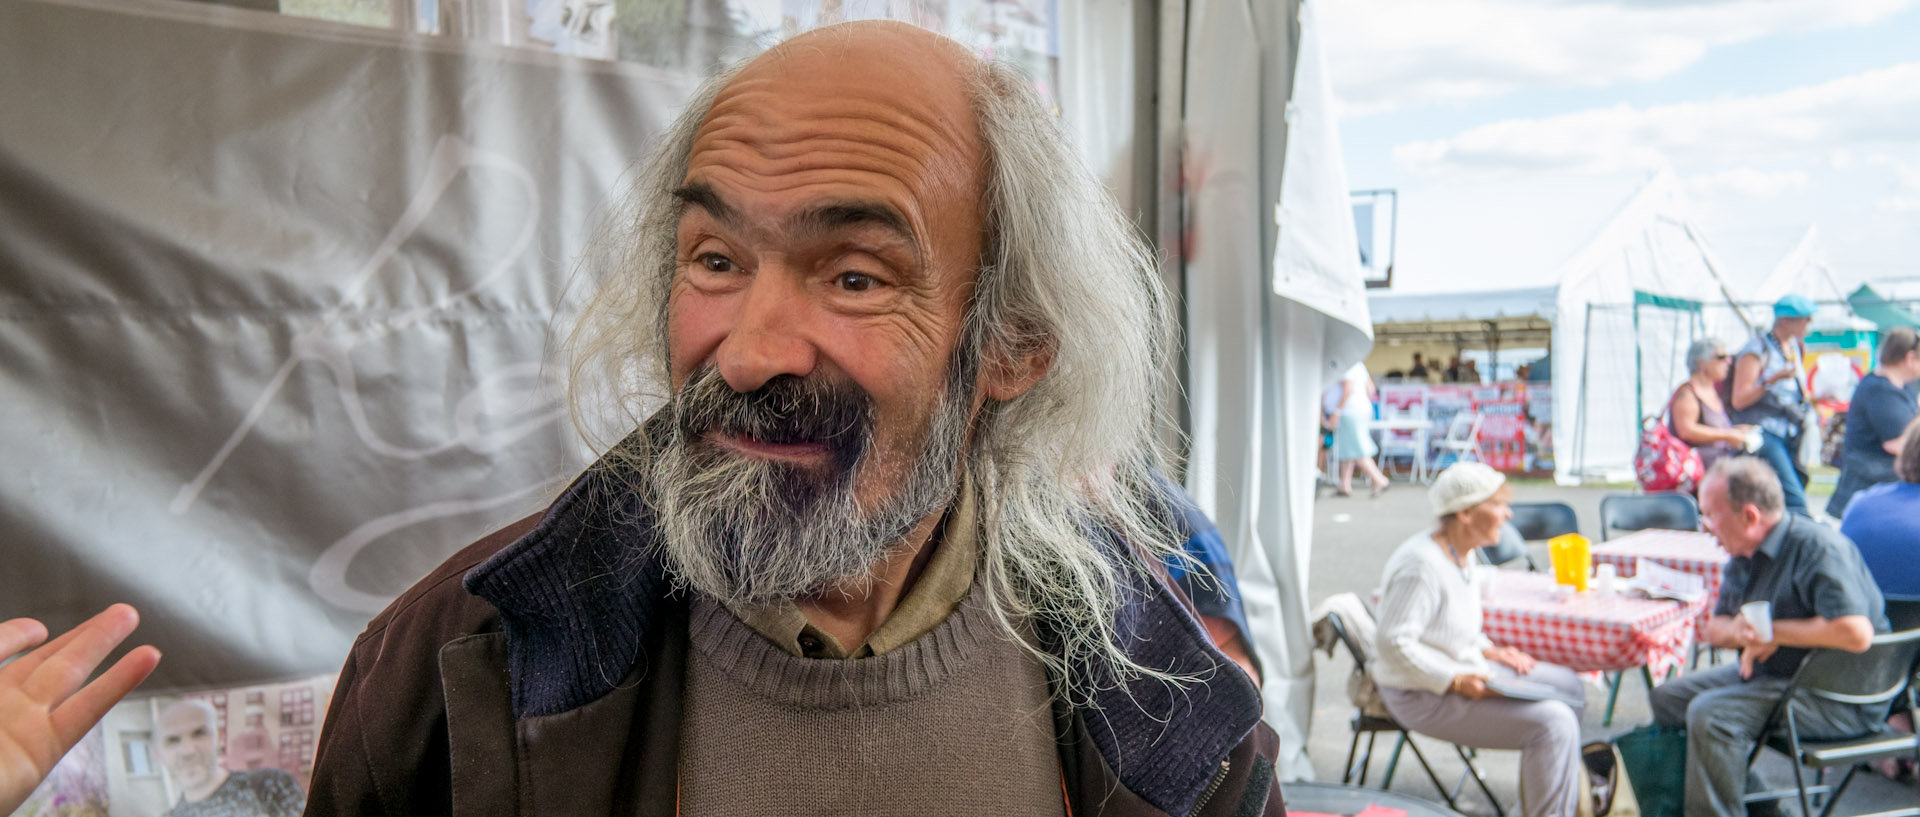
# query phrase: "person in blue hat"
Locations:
[[1768, 389]]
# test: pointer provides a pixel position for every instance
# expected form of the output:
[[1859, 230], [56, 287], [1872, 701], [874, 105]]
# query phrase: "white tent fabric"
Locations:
[[1614, 363], [1455, 307], [1260, 349]]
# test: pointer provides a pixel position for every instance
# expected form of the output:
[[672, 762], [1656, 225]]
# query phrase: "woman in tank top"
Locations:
[[1696, 413]]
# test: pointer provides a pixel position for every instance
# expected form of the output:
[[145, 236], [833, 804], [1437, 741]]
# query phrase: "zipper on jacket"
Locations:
[[1219, 777]]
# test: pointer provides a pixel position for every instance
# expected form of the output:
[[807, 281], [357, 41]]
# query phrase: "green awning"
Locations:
[[1874, 307], [1665, 301]]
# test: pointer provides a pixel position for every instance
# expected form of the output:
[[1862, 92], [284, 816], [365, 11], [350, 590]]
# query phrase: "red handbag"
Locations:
[[1665, 462]]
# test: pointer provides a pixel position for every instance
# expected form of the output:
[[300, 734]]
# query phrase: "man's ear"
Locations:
[[1007, 375]]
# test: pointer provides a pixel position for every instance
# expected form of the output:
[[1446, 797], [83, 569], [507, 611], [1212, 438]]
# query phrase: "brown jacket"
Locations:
[[451, 704]]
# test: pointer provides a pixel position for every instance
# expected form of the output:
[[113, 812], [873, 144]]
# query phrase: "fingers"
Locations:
[[64, 664], [86, 707], [20, 634]]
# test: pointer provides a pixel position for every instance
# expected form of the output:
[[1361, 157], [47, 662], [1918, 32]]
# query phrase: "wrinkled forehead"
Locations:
[[887, 106]]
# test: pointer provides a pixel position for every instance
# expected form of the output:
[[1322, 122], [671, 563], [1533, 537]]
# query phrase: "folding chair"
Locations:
[[1666, 510], [1373, 725], [1510, 547], [1880, 677], [1540, 521], [1463, 437]]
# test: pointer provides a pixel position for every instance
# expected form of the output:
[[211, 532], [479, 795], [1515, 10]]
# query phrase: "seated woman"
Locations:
[[1884, 522], [1696, 414], [1434, 662], [1877, 414]]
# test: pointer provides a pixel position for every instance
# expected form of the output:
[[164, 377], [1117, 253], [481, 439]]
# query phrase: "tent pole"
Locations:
[[1580, 408]]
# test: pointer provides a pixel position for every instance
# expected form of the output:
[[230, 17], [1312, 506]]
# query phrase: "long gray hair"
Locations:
[[1062, 274]]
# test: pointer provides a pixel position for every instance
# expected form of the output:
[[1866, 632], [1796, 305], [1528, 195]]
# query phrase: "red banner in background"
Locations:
[[1516, 431]]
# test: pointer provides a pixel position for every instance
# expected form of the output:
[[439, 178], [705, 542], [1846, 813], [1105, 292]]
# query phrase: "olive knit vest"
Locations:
[[955, 722]]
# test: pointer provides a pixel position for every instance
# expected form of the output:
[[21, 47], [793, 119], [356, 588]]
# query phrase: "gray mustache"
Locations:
[[786, 410]]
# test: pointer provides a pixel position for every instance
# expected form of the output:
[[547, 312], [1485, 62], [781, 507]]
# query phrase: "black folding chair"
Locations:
[[1373, 725], [1539, 521], [1631, 512], [1509, 548], [1880, 677]]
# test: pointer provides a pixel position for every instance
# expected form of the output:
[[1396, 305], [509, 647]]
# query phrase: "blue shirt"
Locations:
[[1884, 522], [1214, 591], [1878, 412]]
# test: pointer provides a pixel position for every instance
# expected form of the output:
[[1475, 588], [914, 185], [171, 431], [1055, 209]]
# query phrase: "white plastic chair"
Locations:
[[1463, 437]]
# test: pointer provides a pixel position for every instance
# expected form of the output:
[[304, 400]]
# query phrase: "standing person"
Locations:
[[891, 545], [1768, 389], [1821, 596], [1419, 370], [1696, 414], [1352, 438], [1879, 413], [1434, 660], [189, 751]]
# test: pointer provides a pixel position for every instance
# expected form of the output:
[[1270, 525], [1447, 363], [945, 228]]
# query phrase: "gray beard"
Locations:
[[748, 531]]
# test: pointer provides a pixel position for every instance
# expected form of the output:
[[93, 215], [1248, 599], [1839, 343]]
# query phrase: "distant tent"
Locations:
[[1875, 307]]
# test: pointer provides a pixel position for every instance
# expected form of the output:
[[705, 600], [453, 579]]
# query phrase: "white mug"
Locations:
[[1760, 615]]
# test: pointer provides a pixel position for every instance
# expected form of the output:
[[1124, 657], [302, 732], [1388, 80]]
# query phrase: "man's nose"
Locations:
[[769, 336]]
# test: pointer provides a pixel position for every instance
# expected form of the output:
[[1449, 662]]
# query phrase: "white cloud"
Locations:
[[1749, 182], [1900, 204], [1874, 109], [1387, 54]]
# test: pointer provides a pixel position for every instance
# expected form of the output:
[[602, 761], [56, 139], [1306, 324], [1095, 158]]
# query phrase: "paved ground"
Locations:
[[1352, 539]]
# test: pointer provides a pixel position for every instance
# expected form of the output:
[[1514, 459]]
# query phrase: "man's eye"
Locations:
[[854, 282], [716, 263]]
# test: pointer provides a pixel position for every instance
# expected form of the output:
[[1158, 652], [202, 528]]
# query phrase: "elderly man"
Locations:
[[889, 548], [1821, 595], [207, 789], [1769, 390]]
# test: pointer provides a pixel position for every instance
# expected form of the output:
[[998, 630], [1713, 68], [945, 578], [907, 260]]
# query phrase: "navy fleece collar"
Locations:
[[578, 594]]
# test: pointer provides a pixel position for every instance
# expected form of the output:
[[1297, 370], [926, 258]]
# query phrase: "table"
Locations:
[[1587, 632], [1683, 550], [1422, 430], [1308, 798]]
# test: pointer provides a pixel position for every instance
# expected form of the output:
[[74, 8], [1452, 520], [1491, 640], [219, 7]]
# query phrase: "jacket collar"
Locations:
[[578, 594]]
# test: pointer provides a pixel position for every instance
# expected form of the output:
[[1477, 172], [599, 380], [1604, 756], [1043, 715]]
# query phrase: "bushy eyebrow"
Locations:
[[818, 219]]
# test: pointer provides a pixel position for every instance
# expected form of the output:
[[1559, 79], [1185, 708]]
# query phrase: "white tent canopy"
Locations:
[[1621, 312]]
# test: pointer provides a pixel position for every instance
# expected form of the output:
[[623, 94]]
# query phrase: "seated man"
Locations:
[[890, 545], [1821, 595]]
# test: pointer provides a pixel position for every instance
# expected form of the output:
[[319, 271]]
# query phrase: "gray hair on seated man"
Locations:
[[1749, 481], [1701, 352]]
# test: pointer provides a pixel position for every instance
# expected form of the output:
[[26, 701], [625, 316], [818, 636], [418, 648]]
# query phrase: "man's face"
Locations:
[[186, 745], [828, 246], [1740, 529], [1789, 328]]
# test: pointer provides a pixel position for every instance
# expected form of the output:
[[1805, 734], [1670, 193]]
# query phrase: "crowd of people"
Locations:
[[1757, 401]]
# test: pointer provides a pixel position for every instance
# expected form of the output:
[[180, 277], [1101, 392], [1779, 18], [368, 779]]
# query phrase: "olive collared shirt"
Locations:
[[938, 592]]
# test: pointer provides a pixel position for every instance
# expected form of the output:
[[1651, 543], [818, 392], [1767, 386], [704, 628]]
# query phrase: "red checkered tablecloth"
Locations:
[[1587, 631], [1686, 551]]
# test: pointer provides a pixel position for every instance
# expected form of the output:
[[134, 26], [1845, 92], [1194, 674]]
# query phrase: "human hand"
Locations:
[[1521, 662], [41, 713], [1470, 686], [1752, 649]]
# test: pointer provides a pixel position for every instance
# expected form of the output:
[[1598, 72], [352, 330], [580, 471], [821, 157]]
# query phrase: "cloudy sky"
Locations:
[[1525, 122]]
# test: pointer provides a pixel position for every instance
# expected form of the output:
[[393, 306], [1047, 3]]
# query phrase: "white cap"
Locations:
[[1462, 486]]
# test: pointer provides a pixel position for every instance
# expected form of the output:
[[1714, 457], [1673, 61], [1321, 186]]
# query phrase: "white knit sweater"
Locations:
[[1430, 626]]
